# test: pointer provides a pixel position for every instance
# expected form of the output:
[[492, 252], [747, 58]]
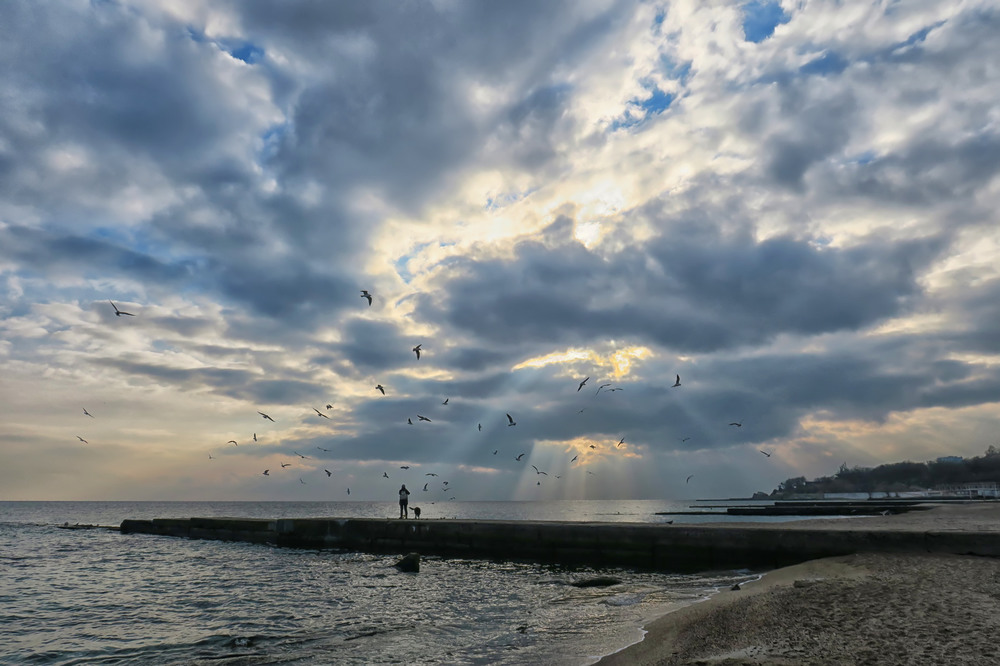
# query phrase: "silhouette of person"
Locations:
[[404, 500]]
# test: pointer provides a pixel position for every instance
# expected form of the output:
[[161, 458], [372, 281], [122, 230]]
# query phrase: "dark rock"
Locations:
[[600, 581], [736, 588], [409, 563]]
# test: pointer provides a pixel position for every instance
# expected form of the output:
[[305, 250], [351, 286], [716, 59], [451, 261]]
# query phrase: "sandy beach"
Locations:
[[866, 608]]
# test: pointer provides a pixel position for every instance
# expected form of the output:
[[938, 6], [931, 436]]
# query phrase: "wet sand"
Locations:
[[867, 608]]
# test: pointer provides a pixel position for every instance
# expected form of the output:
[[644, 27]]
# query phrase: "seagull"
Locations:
[[519, 457], [322, 449], [284, 465], [408, 420], [328, 473], [329, 406], [689, 478], [574, 458], [602, 386], [87, 413], [537, 471], [416, 350], [430, 474], [300, 455], [267, 472], [495, 451], [255, 437], [677, 383], [379, 387], [765, 453], [320, 413], [211, 457], [621, 441], [301, 481], [119, 313], [510, 420], [684, 439], [82, 439], [581, 384], [384, 475], [265, 416], [480, 427], [425, 487], [617, 388], [423, 418], [593, 446], [233, 442], [404, 467], [365, 294], [446, 401], [348, 491], [738, 425]]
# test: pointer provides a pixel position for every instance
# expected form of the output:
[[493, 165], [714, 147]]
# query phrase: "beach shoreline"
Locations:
[[865, 608]]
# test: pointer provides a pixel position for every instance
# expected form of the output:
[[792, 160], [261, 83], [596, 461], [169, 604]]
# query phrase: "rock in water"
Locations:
[[600, 581], [409, 563]]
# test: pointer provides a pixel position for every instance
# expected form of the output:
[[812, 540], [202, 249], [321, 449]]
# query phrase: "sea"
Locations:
[[95, 596]]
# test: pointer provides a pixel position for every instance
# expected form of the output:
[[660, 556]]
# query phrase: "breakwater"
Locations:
[[654, 546]]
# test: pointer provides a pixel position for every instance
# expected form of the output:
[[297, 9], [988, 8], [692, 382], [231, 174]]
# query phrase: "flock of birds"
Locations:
[[445, 485]]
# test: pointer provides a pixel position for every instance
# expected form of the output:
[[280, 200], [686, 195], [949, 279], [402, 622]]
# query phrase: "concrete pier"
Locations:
[[649, 546]]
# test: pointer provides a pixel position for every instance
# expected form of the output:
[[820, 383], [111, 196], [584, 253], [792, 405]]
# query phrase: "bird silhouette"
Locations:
[[211, 457], [495, 451], [621, 441], [255, 437], [301, 481], [384, 475], [379, 387], [284, 465], [82, 439], [689, 478], [574, 458], [365, 294], [87, 413], [677, 383], [423, 418], [416, 350], [425, 487], [446, 401], [430, 474], [322, 449], [738, 425], [233, 442], [480, 427], [329, 406], [684, 439], [602, 386], [328, 473], [581, 384], [320, 413], [300, 455], [265, 416], [409, 421], [765, 453], [510, 420], [119, 313], [404, 467], [519, 457], [267, 472]]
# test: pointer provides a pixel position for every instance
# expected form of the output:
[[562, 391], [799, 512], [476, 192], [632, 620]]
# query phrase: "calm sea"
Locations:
[[99, 597]]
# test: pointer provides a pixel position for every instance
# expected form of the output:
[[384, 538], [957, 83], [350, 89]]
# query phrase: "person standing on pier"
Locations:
[[404, 500]]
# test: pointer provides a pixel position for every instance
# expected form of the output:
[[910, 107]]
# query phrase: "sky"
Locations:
[[791, 205]]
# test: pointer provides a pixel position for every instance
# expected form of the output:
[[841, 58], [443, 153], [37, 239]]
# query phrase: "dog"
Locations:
[[416, 511]]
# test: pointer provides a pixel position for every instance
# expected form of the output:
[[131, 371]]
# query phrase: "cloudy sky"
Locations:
[[792, 205]]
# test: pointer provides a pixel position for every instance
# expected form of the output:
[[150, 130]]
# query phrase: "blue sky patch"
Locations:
[[761, 18], [828, 63], [245, 51]]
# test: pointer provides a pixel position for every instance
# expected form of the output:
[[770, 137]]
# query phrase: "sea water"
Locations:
[[95, 596]]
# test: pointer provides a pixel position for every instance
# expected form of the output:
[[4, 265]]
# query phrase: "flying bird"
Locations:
[[581, 384], [87, 413], [423, 418], [689, 478], [255, 437], [322, 449], [82, 439], [320, 413], [519, 457], [301, 481], [348, 491], [211, 457], [379, 387], [677, 382], [480, 427], [416, 350], [495, 451], [593, 446], [446, 401], [300, 455], [365, 294], [602, 386], [233, 442], [265, 416], [384, 475], [267, 472], [284, 465], [574, 458], [408, 420], [684, 439], [510, 421], [621, 441], [119, 313], [404, 467], [329, 406], [425, 487], [738, 425], [538, 471], [430, 474], [328, 473], [765, 453]]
